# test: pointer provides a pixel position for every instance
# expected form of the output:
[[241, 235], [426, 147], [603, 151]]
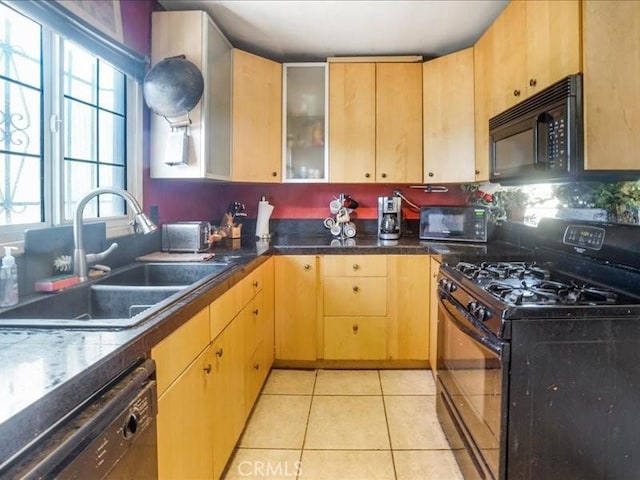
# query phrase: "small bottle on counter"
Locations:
[[8, 279]]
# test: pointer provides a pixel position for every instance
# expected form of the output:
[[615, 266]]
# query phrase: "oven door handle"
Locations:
[[477, 331]]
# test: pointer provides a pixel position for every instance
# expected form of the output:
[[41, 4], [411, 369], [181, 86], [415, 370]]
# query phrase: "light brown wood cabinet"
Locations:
[[209, 373], [256, 152], [611, 85], [375, 122], [528, 47], [408, 300], [183, 371], [448, 118], [355, 307], [227, 407], [296, 294], [433, 313]]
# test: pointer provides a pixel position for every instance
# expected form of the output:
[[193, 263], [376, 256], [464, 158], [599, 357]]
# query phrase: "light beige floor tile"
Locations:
[[278, 421], [264, 463], [348, 382], [347, 422], [346, 465], [426, 465], [407, 382], [413, 423], [291, 382]]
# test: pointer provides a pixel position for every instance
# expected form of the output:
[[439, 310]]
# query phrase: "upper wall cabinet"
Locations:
[[257, 118], [304, 127], [611, 85], [193, 34], [375, 122], [529, 46], [448, 118]]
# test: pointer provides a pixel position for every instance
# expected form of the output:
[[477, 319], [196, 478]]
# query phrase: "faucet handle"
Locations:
[[97, 257]]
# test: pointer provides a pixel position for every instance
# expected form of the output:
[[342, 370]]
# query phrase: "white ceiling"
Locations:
[[307, 30]]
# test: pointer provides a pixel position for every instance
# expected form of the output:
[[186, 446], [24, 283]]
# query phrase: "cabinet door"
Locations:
[[355, 338], [257, 118], [482, 78], [448, 118], [508, 57], [408, 332], [399, 122], [304, 125], [553, 42], [611, 85], [185, 424], [228, 403], [433, 314], [352, 122], [296, 307]]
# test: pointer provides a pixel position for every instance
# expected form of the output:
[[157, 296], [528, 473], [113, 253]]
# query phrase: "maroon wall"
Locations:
[[200, 200]]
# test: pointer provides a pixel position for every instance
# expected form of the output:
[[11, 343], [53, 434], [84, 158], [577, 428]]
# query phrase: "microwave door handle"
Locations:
[[541, 140]]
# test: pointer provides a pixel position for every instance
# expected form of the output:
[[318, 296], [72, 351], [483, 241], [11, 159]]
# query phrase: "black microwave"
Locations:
[[541, 138], [460, 224]]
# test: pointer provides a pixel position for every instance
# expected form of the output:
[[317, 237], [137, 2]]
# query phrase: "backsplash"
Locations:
[[184, 200]]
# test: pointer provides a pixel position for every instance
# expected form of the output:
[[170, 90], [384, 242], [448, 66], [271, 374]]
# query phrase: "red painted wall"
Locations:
[[199, 200]]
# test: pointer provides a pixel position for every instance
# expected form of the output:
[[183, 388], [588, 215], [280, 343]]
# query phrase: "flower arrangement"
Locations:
[[503, 203]]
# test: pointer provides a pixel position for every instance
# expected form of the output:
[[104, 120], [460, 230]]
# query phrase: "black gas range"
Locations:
[[539, 362]]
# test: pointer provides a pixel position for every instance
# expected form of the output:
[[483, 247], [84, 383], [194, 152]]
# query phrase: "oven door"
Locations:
[[471, 380]]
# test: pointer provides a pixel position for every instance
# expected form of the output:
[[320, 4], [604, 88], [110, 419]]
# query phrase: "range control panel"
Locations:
[[584, 236]]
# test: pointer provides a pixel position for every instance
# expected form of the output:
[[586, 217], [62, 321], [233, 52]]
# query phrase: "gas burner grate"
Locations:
[[502, 270], [547, 292]]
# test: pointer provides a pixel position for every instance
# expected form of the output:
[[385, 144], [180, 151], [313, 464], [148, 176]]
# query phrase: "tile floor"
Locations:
[[345, 425]]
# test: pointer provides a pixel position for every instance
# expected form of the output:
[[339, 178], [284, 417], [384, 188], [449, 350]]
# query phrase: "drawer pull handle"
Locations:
[[255, 311], [207, 368], [516, 93], [533, 82], [367, 175], [256, 366], [219, 352], [255, 283], [384, 175], [356, 289], [307, 266], [274, 174], [355, 329], [356, 266]]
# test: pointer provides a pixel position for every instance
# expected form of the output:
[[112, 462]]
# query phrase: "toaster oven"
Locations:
[[185, 237]]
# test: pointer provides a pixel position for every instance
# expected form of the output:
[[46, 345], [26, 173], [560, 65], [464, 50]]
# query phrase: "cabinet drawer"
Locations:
[[355, 338], [174, 354], [355, 266], [365, 296]]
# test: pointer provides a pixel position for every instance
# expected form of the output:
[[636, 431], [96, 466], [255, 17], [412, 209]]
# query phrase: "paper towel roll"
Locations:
[[262, 223]]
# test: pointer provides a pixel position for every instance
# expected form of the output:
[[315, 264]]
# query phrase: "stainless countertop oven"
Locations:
[[538, 363]]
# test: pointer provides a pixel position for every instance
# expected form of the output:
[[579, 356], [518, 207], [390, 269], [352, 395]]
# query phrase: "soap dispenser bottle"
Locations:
[[8, 279]]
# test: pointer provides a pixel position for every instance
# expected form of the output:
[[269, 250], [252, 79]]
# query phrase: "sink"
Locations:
[[122, 299], [164, 274]]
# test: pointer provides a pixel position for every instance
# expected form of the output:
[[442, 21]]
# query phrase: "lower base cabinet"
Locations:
[[207, 387], [228, 412], [185, 423]]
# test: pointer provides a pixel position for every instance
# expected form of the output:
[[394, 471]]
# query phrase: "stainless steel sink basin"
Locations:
[[164, 274], [122, 299]]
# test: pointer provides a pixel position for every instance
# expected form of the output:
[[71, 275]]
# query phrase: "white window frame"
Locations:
[[53, 158]]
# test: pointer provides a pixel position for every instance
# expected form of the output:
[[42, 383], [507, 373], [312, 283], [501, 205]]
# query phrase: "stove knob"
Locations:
[[472, 307], [452, 287], [481, 314]]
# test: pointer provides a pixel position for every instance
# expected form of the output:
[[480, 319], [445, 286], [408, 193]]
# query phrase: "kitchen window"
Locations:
[[70, 121]]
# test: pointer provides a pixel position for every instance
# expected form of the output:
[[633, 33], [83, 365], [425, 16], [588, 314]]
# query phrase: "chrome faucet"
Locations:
[[80, 258]]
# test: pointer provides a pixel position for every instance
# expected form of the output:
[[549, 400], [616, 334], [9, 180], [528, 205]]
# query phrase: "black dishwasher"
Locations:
[[112, 437]]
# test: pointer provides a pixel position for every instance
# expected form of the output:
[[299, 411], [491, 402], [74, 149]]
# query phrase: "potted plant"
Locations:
[[513, 201], [621, 200]]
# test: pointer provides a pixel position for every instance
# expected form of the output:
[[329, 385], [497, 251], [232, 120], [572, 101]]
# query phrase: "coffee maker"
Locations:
[[389, 218]]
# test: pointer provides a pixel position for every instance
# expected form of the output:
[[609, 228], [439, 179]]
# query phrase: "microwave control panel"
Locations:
[[557, 146]]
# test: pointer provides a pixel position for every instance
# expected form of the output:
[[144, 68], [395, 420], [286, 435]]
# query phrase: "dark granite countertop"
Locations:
[[47, 372]]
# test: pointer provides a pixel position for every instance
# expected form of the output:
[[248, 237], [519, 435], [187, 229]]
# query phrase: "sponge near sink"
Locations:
[[53, 284]]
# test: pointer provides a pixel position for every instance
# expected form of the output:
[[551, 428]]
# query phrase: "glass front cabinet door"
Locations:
[[304, 146]]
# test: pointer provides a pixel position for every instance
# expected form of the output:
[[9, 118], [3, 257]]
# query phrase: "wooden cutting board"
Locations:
[[175, 257]]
